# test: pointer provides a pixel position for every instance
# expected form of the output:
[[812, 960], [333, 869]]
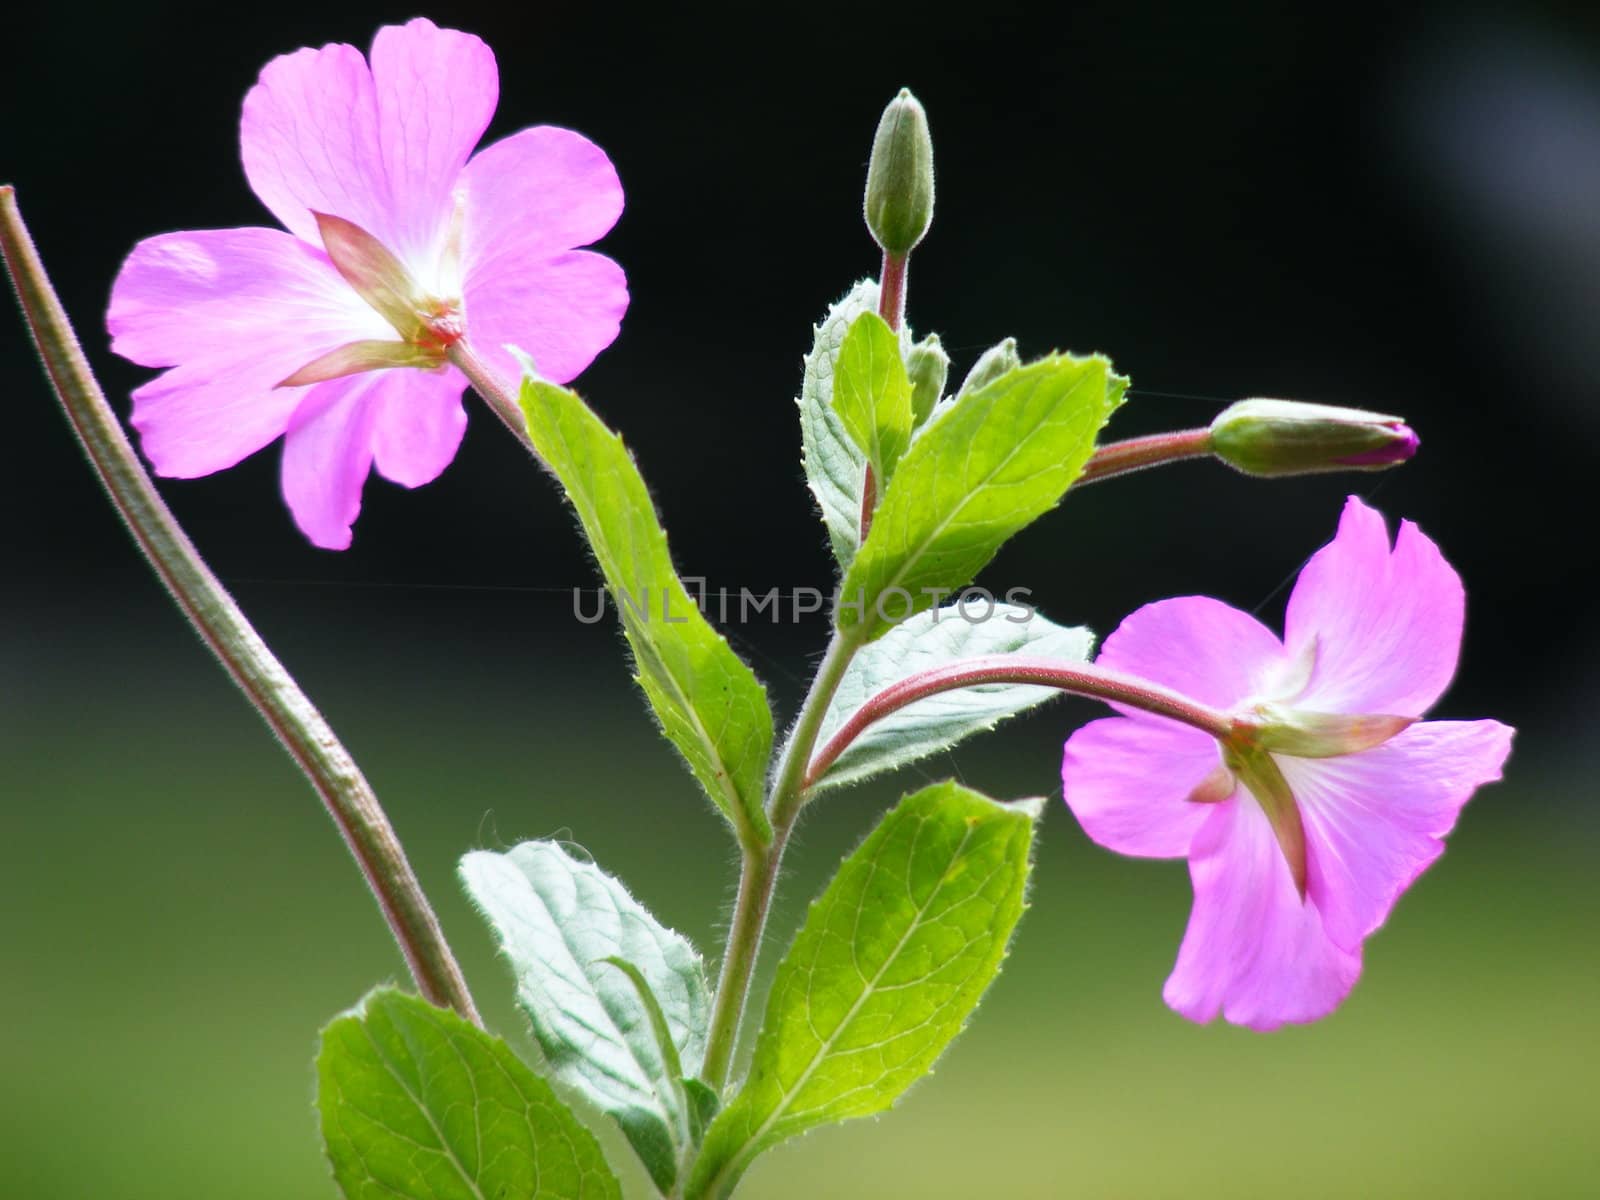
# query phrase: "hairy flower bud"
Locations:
[[899, 199], [1285, 437], [995, 362], [928, 367]]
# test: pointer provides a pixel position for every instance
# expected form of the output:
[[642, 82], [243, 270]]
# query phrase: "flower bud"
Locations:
[[928, 366], [995, 362], [899, 200], [1285, 437]]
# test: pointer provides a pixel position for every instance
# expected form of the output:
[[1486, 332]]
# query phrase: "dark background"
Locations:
[[1391, 208]]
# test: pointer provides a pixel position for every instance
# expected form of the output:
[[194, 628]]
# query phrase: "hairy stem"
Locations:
[[758, 876], [1081, 679], [758, 872], [892, 289], [310, 741], [500, 399], [1135, 454]]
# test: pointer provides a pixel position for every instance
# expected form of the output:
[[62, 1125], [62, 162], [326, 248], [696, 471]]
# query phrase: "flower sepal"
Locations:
[[1255, 768], [378, 277], [1302, 734], [356, 357]]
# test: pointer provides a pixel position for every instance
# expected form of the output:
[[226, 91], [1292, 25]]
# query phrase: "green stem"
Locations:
[[758, 875], [789, 783], [758, 878], [310, 741], [758, 870]]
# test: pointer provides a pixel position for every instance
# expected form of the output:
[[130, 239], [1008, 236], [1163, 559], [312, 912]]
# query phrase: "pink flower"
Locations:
[[1303, 829], [334, 335]]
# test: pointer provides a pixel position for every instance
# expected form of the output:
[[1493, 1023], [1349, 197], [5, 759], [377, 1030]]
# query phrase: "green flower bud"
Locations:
[[928, 366], [899, 200], [996, 361], [1284, 437]]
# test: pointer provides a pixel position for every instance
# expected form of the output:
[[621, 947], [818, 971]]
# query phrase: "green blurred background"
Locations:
[[1341, 203], [182, 919]]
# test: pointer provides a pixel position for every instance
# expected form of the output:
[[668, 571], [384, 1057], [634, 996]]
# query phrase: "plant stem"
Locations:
[[1135, 454], [308, 738], [758, 870], [758, 875], [790, 783], [1082, 679], [892, 289], [487, 384]]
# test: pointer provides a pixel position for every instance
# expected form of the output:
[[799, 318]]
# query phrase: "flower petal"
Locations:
[[219, 292], [419, 425], [210, 413], [1198, 646], [1373, 820], [1254, 951], [561, 310], [1386, 625], [436, 90], [326, 456], [541, 188], [1128, 781], [309, 140]]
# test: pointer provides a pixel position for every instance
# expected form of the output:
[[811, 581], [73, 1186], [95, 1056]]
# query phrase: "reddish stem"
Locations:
[[892, 290], [1081, 679], [1135, 454]]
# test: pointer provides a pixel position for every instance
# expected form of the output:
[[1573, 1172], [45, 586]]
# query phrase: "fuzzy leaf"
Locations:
[[892, 960], [996, 460], [872, 393], [622, 1037], [418, 1104], [835, 465], [708, 701], [932, 639]]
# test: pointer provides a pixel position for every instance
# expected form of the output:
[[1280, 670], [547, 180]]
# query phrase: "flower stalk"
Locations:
[[1081, 679], [304, 732], [1137, 454], [501, 400]]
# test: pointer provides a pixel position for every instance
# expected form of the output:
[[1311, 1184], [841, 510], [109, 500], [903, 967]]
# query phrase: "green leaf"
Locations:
[[892, 960], [708, 701], [704, 1104], [931, 639], [872, 394], [835, 465], [619, 1003], [419, 1104], [992, 463]]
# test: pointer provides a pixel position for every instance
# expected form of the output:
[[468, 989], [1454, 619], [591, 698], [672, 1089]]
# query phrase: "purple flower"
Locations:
[[334, 335], [1303, 829]]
